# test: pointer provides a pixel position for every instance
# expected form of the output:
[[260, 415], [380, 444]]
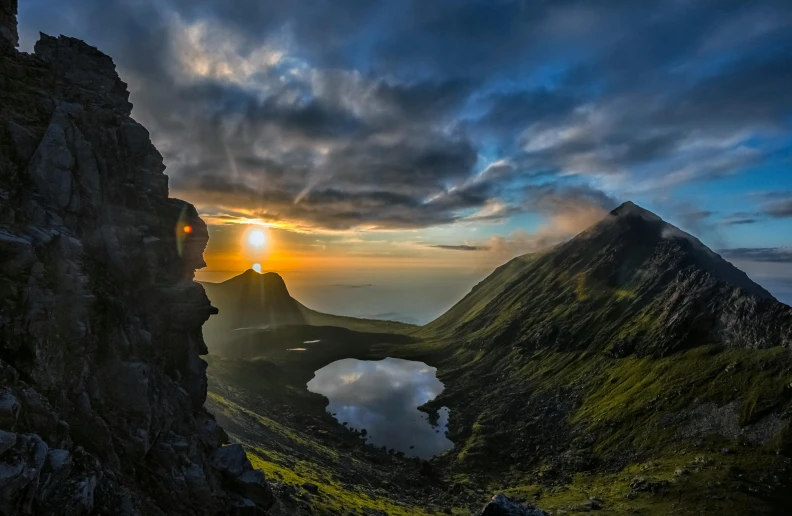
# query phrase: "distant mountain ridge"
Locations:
[[630, 283], [253, 300]]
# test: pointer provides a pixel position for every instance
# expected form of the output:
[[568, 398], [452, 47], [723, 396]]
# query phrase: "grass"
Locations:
[[633, 417], [638, 391], [332, 498], [290, 456], [686, 484], [567, 425], [235, 411]]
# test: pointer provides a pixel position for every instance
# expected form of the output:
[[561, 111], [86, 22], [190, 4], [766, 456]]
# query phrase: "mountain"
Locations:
[[102, 387], [615, 369], [252, 300], [630, 369], [489, 289], [253, 304], [631, 283]]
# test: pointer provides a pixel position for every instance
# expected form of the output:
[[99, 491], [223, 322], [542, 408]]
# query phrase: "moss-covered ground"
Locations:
[[702, 431]]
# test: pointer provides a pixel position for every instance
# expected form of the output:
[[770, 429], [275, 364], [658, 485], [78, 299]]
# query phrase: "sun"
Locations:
[[256, 238]]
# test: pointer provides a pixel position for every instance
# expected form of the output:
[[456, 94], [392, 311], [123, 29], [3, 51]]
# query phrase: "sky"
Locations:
[[406, 143]]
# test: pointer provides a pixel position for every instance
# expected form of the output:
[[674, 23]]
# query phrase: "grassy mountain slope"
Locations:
[[629, 284], [630, 369], [314, 318], [471, 306], [622, 365], [261, 400], [263, 404]]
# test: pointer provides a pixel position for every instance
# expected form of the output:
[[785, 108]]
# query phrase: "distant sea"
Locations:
[[411, 296], [419, 296]]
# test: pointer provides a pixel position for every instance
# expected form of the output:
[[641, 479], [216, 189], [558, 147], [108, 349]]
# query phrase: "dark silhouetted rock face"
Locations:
[[250, 300], [8, 25], [101, 384]]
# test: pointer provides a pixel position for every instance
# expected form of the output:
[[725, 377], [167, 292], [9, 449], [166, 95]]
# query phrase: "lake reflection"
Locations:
[[383, 397]]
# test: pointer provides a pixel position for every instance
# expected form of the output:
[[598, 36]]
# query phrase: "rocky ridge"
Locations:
[[101, 383]]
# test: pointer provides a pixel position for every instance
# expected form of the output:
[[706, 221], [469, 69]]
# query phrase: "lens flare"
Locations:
[[187, 229]]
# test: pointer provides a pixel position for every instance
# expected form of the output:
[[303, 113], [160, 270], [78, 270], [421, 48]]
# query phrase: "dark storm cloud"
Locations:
[[773, 205], [461, 247], [510, 111], [333, 208], [695, 130], [410, 114], [780, 209], [766, 254], [740, 222]]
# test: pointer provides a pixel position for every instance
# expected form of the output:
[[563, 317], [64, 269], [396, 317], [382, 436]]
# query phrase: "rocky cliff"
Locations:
[[101, 384]]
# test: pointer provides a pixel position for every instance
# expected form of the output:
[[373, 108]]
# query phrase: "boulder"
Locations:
[[231, 460], [9, 409], [20, 470], [7, 441], [311, 488], [502, 505], [241, 477]]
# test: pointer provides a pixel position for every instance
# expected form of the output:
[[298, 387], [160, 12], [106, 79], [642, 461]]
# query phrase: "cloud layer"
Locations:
[[403, 114]]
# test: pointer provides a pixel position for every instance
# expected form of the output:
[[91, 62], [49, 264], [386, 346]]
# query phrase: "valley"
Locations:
[[610, 363], [625, 371]]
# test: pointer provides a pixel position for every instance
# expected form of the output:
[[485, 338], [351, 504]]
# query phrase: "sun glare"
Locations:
[[256, 238], [257, 267]]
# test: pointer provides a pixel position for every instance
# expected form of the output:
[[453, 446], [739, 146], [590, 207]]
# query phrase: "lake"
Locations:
[[383, 397]]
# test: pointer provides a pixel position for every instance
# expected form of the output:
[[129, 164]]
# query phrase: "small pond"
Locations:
[[383, 397]]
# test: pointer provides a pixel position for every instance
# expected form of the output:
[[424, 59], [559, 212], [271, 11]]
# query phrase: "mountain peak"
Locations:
[[630, 209], [253, 275], [631, 282], [249, 300]]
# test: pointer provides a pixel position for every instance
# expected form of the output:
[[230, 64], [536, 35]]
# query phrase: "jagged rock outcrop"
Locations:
[[101, 383], [9, 38]]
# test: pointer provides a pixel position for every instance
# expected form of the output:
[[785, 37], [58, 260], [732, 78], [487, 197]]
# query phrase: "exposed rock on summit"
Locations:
[[101, 383]]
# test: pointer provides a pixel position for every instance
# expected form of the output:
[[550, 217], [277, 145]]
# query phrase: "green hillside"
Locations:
[[630, 370], [488, 290]]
